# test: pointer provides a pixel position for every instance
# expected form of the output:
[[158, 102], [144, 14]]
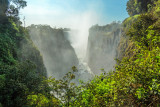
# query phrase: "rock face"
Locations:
[[58, 54], [102, 47]]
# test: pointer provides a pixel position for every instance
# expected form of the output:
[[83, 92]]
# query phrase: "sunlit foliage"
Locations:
[[135, 82]]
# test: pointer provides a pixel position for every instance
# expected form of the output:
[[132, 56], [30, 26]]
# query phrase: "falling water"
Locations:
[[78, 40], [63, 49]]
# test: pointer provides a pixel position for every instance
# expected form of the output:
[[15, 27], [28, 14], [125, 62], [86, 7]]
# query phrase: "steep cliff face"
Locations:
[[102, 47], [58, 54]]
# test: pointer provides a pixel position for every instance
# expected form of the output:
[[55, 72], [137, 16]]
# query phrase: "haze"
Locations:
[[71, 13], [79, 15]]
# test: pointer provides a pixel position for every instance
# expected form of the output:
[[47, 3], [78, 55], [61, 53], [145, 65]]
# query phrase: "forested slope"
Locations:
[[135, 82], [21, 65]]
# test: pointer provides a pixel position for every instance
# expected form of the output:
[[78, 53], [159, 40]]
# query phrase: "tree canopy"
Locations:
[[139, 6], [10, 8]]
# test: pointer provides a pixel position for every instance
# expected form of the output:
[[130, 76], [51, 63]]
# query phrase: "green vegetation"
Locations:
[[134, 83], [128, 22], [136, 80], [139, 6], [19, 74], [108, 28]]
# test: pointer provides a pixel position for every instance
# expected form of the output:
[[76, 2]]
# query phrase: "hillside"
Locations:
[[132, 80], [135, 82], [21, 64]]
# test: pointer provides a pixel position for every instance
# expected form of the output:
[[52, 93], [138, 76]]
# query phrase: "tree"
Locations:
[[15, 6], [10, 8], [3, 8], [64, 89], [139, 6]]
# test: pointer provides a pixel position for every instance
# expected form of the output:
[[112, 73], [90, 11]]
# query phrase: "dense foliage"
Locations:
[[139, 6], [17, 77], [134, 83], [136, 80], [19, 74], [107, 28]]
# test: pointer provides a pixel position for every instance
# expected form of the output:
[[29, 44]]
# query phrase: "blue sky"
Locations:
[[70, 13]]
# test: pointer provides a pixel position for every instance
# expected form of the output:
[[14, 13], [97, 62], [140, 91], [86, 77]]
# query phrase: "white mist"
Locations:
[[79, 33], [78, 37]]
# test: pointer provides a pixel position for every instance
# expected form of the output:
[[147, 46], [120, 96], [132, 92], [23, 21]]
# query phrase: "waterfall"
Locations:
[[61, 50], [78, 40], [88, 50]]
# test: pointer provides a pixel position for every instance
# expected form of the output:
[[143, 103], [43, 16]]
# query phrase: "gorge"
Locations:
[[85, 63], [90, 50]]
